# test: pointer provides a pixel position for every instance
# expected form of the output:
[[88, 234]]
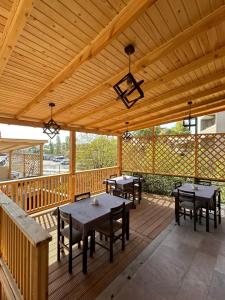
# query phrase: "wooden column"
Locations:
[[119, 154], [10, 164], [153, 150], [41, 158], [72, 186]]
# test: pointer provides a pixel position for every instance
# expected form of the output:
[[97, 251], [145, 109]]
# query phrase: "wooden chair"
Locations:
[[203, 182], [214, 209], [113, 176], [72, 235], [110, 228], [177, 184], [82, 196], [111, 186], [134, 190], [187, 202]]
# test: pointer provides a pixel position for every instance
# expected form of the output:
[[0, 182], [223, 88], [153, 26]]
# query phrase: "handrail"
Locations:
[[96, 170], [24, 251], [31, 229]]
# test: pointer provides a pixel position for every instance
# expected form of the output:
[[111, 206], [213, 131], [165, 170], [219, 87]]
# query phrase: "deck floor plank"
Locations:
[[146, 222]]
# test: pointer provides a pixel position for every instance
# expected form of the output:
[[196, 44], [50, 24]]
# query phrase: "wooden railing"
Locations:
[[92, 180], [23, 254], [38, 193]]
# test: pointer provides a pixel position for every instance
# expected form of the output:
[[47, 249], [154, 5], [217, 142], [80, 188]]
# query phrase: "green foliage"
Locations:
[[178, 129], [100, 152]]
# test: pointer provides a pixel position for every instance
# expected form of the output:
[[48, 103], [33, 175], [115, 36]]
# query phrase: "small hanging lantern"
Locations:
[[128, 89], [51, 128], [127, 136], [190, 121]]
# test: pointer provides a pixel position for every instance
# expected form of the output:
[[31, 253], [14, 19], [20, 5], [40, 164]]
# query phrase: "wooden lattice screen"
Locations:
[[26, 164], [201, 155]]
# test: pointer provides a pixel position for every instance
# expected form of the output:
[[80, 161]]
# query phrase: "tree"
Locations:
[[58, 146]]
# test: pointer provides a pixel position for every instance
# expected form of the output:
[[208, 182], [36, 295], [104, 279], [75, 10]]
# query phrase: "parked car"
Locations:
[[65, 162], [59, 158]]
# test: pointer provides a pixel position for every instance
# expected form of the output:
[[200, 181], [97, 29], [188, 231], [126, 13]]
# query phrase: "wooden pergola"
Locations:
[[72, 53]]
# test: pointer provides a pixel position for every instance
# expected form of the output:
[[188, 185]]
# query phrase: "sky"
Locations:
[[24, 132]]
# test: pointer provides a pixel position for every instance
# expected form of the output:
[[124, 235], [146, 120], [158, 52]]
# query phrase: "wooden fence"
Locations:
[[38, 193], [200, 156], [23, 254], [92, 180]]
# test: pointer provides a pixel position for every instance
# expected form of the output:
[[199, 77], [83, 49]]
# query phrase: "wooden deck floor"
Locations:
[[146, 222]]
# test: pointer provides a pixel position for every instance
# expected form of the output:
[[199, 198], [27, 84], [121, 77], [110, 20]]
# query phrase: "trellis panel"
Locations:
[[211, 156], [174, 155], [27, 164], [200, 156], [137, 155]]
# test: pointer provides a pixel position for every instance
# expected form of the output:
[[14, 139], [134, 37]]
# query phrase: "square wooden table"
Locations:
[[86, 216], [203, 193]]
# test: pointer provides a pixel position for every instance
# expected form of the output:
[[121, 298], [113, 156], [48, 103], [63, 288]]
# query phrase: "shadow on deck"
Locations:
[[146, 222]]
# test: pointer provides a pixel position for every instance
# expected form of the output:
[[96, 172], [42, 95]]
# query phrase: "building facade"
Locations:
[[214, 123]]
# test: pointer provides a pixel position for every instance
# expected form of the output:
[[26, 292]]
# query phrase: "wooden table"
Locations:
[[204, 194], [86, 216]]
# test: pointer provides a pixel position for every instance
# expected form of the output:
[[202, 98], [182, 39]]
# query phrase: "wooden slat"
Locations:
[[119, 23], [200, 26], [16, 21]]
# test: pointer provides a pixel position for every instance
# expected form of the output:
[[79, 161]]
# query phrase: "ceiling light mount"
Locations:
[[127, 136], [128, 89], [51, 128], [190, 121]]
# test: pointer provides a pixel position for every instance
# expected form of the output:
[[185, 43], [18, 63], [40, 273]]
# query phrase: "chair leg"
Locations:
[[100, 236], [184, 214], [92, 243], [123, 236], [191, 214], [79, 245], [111, 249], [219, 208], [58, 249], [200, 216], [195, 219], [70, 257]]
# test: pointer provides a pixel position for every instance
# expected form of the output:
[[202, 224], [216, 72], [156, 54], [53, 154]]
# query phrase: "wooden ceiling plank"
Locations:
[[17, 19], [13, 121], [159, 109], [167, 95], [180, 115], [217, 54], [127, 15]]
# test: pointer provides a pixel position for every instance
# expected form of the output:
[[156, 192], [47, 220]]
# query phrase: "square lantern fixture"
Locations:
[[51, 128], [127, 136], [190, 121], [128, 89]]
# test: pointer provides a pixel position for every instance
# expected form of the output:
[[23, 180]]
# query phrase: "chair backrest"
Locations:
[[82, 196], [185, 196], [203, 182], [113, 176], [177, 184], [63, 217], [117, 213]]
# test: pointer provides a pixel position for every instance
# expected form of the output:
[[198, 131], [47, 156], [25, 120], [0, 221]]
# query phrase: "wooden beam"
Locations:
[[41, 159], [119, 154], [122, 20], [212, 56], [158, 109], [200, 26], [72, 152], [12, 121], [158, 99], [16, 21], [177, 116]]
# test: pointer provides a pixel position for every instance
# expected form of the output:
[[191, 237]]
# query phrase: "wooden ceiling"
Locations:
[[8, 145], [72, 53]]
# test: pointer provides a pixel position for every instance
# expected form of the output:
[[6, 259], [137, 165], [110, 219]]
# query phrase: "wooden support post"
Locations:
[[119, 154], [153, 150], [72, 164], [39, 278], [41, 158], [196, 150], [10, 164]]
